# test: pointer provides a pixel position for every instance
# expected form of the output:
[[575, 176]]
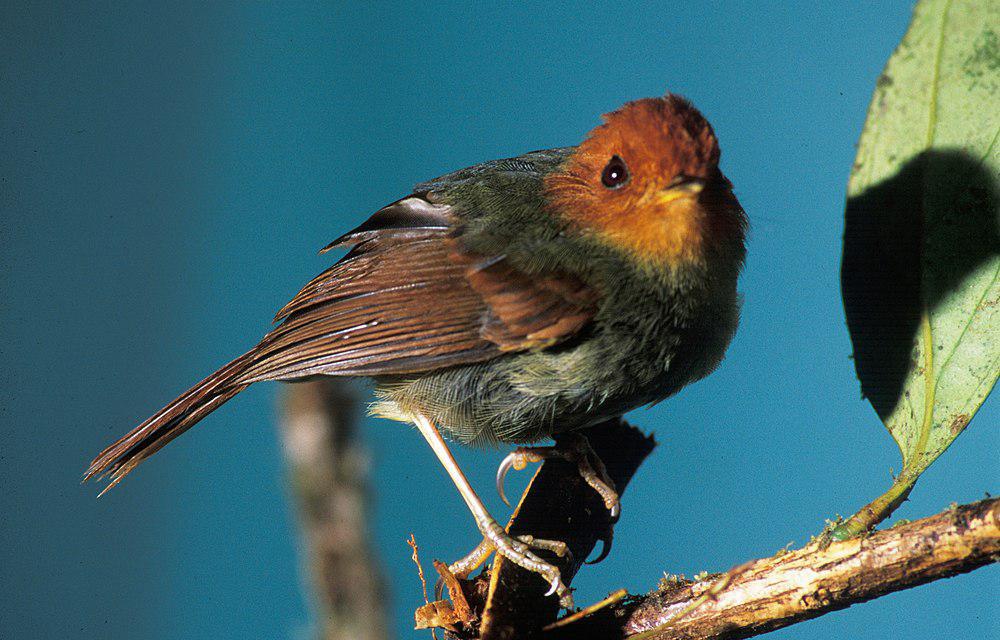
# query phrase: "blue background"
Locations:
[[168, 173]]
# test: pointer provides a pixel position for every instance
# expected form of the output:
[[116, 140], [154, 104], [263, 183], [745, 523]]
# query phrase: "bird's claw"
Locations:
[[554, 586], [519, 551], [557, 587], [605, 547], [577, 450], [516, 459]]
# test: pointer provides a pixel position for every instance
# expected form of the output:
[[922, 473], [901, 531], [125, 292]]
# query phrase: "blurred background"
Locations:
[[167, 173]]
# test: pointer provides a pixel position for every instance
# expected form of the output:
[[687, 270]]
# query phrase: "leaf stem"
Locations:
[[876, 511]]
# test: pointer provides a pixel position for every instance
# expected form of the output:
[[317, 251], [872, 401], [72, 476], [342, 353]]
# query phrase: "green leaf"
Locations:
[[921, 267]]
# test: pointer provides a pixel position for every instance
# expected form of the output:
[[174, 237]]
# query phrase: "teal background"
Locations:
[[167, 174]]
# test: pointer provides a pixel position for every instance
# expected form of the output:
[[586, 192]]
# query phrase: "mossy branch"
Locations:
[[771, 593]]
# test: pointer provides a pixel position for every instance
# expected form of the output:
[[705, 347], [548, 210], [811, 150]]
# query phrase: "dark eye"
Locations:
[[615, 173]]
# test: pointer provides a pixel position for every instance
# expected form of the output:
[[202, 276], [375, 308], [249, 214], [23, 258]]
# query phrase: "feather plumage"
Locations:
[[407, 298], [516, 298]]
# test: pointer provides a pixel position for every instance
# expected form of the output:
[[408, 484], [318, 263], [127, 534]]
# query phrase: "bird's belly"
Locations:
[[523, 398]]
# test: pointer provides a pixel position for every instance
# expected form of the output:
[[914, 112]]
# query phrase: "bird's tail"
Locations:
[[124, 455]]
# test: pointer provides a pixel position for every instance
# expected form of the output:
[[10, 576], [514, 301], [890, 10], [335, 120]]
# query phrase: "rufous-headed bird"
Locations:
[[514, 300]]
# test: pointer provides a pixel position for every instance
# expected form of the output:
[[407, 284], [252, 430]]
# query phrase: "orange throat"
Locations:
[[655, 230], [663, 235]]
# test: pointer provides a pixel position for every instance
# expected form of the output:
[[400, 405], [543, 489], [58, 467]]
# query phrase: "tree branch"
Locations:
[[754, 598], [328, 476], [328, 471], [559, 505], [771, 593]]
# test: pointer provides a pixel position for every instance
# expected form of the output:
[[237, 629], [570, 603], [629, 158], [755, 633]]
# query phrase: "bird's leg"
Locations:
[[572, 447], [517, 551]]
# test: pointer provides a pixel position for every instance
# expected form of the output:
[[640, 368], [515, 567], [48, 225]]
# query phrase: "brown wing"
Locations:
[[407, 298]]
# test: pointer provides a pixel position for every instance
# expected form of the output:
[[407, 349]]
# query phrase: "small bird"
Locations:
[[515, 300]]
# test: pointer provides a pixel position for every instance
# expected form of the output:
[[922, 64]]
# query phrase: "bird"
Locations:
[[513, 301]]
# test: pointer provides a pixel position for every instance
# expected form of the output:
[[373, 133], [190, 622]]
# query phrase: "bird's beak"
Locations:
[[680, 187]]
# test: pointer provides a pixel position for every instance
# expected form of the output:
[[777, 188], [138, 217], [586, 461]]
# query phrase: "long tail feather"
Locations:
[[124, 455]]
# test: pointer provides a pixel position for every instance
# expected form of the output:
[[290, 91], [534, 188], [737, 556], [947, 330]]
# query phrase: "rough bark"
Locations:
[[771, 593]]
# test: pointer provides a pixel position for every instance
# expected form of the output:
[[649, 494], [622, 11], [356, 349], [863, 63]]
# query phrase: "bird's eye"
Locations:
[[615, 173]]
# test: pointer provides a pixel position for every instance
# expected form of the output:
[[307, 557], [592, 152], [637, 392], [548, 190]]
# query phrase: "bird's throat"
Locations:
[[669, 234]]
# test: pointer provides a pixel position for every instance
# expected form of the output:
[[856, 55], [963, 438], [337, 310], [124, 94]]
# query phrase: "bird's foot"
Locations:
[[574, 448], [519, 551], [464, 567]]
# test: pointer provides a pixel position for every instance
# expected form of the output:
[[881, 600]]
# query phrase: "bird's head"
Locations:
[[647, 181]]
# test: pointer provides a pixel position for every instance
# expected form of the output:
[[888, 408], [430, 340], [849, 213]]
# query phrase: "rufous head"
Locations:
[[648, 181]]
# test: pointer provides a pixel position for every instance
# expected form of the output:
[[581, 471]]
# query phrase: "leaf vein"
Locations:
[[965, 328]]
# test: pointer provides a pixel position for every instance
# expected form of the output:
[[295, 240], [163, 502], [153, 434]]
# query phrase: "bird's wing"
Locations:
[[408, 298]]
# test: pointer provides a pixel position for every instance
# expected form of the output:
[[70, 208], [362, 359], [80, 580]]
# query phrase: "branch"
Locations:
[[559, 505], [771, 593], [328, 472], [754, 598], [509, 602]]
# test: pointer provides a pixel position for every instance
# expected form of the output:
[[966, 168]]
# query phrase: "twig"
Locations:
[[416, 560], [328, 473], [589, 610]]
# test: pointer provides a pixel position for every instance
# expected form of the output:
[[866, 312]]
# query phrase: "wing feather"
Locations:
[[405, 299], [408, 298]]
